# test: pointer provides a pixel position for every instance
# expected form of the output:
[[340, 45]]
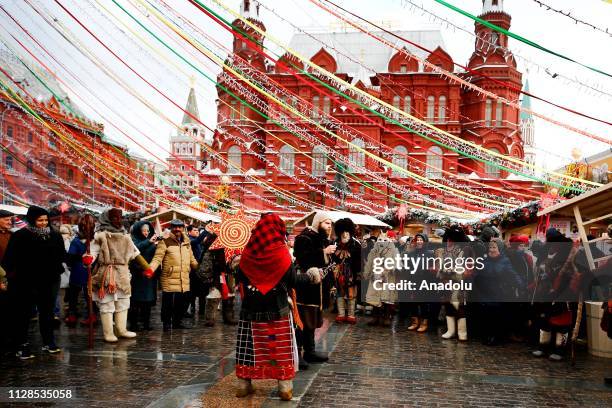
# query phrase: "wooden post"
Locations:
[[583, 237]]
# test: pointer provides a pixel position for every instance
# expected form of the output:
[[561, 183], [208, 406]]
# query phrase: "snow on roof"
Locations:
[[19, 73], [364, 48]]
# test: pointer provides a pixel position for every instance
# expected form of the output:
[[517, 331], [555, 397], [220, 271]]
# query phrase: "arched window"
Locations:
[[488, 107], [431, 101], [326, 105], [8, 161], [30, 167], [234, 158], [498, 114], [30, 137], [400, 159], [407, 103], [9, 132], [287, 159], [434, 163], [356, 156], [51, 169], [442, 109], [319, 161], [396, 102], [315, 110], [491, 170], [70, 175]]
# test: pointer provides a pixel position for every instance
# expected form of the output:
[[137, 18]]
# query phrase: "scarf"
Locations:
[[42, 233], [266, 258]]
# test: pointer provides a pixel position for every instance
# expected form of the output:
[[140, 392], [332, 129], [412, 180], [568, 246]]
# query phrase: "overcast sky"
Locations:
[[119, 109]]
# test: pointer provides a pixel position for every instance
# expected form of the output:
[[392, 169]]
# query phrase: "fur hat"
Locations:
[[344, 225], [455, 233], [489, 232], [5, 213], [34, 212], [177, 223], [319, 217]]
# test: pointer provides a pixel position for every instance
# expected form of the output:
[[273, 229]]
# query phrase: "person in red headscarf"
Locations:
[[265, 344]]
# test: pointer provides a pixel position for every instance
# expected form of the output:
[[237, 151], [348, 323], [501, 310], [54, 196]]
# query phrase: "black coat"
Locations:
[[308, 252], [274, 304], [33, 261]]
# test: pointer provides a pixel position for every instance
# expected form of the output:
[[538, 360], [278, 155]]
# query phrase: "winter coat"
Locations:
[[383, 248], [497, 281], [143, 288], [113, 251], [34, 261], [197, 244], [78, 271], [348, 260], [457, 251], [308, 251], [274, 304], [5, 236], [176, 259]]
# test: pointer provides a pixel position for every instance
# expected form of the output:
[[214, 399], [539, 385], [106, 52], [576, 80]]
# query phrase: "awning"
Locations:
[[587, 208], [358, 219], [15, 209], [182, 214]]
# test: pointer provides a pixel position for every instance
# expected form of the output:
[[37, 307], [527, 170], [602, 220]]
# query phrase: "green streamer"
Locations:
[[518, 37]]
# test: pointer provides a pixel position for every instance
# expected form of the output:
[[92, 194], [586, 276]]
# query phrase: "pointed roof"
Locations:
[[192, 108], [526, 102]]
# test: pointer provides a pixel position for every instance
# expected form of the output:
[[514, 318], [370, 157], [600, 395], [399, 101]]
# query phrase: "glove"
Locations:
[[148, 273], [87, 259], [314, 274]]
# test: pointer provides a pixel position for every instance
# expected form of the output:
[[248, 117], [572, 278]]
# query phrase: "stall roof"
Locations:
[[15, 209], [182, 213], [593, 204], [359, 219]]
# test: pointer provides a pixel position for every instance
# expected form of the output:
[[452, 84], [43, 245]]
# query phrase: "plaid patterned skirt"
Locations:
[[266, 350]]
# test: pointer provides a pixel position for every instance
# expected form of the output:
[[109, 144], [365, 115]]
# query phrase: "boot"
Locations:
[[376, 312], [462, 329], [414, 323], [303, 364], [285, 390], [120, 325], [559, 350], [341, 302], [146, 317], [387, 315], [71, 320], [211, 311], [201, 305], [424, 326], [545, 337], [107, 327], [450, 328], [92, 318], [245, 387], [350, 318], [228, 312], [133, 318]]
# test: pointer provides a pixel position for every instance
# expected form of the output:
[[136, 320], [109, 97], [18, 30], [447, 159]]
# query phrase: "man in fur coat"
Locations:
[[312, 249], [113, 250]]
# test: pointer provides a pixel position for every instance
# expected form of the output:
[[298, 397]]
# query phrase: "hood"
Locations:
[[137, 235]]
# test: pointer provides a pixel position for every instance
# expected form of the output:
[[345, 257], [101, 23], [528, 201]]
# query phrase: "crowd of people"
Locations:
[[525, 290]]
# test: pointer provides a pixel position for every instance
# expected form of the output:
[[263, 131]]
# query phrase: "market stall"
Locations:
[[587, 209]]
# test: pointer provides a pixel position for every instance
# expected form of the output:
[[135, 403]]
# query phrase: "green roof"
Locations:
[[192, 108], [526, 102]]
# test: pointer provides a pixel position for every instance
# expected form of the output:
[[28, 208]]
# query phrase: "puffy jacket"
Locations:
[[176, 259]]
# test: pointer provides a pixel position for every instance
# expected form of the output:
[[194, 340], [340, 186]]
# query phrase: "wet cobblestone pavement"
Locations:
[[368, 367]]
